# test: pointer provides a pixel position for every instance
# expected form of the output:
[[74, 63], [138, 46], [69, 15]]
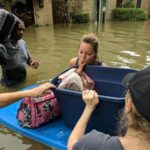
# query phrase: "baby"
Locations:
[[76, 79]]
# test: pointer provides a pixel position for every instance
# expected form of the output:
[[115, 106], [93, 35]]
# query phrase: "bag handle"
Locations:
[[48, 96]]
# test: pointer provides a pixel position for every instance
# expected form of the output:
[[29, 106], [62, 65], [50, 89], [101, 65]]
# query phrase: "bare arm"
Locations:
[[31, 61], [8, 98], [79, 70], [72, 62], [91, 100]]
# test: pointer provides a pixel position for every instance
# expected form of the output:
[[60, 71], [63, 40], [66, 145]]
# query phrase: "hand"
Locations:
[[34, 63], [38, 91], [90, 98], [82, 63], [81, 66]]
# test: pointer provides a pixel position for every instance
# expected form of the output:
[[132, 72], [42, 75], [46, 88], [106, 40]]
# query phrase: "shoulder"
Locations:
[[23, 45], [98, 141], [103, 64], [72, 61], [21, 41], [100, 63]]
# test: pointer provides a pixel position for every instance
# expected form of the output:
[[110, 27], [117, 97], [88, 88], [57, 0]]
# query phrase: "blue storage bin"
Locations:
[[108, 84]]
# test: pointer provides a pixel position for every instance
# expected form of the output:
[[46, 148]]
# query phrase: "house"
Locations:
[[48, 12], [111, 4]]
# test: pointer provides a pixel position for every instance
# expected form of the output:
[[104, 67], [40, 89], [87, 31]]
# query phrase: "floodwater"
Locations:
[[122, 44]]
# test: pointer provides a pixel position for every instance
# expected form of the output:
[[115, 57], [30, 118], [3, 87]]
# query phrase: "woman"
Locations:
[[136, 114], [88, 52], [8, 98]]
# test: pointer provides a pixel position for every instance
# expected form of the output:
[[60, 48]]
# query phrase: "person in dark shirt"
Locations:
[[16, 50]]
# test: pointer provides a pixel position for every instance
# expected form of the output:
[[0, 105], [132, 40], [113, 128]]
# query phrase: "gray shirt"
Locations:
[[98, 141], [15, 68]]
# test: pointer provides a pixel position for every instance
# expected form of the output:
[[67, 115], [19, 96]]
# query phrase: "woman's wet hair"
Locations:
[[123, 124], [133, 120], [91, 39]]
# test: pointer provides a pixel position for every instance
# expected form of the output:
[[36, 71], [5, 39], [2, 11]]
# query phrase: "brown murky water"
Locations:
[[123, 44]]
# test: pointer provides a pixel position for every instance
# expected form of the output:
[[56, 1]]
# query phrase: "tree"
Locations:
[[3, 2]]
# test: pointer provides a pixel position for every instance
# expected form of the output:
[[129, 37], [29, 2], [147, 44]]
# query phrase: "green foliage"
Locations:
[[80, 18], [3, 2], [127, 4], [130, 14]]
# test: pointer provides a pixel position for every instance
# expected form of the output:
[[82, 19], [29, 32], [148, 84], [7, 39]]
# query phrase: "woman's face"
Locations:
[[86, 53]]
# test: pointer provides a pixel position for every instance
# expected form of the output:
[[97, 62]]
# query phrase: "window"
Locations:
[[138, 4], [118, 4]]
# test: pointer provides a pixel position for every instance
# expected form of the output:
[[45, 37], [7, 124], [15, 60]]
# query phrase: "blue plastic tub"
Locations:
[[108, 84]]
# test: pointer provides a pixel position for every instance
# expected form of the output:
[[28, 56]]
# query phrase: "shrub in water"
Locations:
[[133, 14], [80, 18]]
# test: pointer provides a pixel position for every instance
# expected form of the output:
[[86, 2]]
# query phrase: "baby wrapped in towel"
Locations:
[[76, 79]]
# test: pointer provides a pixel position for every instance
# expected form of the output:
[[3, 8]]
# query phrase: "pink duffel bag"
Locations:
[[36, 111]]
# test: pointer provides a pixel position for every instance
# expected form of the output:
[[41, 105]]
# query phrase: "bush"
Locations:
[[80, 18], [130, 14], [2, 2]]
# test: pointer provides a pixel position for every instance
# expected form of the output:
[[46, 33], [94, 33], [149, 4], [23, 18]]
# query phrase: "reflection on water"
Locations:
[[14, 141], [122, 44]]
